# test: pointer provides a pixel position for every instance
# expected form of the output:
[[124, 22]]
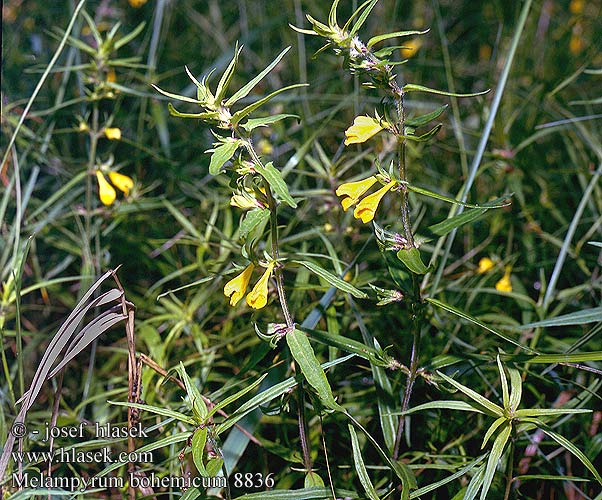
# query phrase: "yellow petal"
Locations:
[[137, 3], [485, 265], [504, 285], [111, 76], [121, 182], [113, 133], [366, 208], [354, 190], [105, 191], [258, 297], [362, 129], [241, 201], [237, 287]]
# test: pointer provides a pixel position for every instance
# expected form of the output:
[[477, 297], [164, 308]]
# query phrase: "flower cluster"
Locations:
[[258, 296], [106, 192], [503, 284], [353, 191]]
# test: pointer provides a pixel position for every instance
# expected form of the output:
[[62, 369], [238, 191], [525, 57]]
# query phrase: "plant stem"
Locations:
[[288, 318], [509, 471], [417, 310], [401, 165], [302, 429]]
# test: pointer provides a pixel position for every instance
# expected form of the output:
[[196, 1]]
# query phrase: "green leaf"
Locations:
[[348, 345], [494, 409], [494, 457], [204, 115], [230, 399], [419, 121], [427, 489], [199, 440], [312, 479], [244, 91], [567, 445], [224, 81], [492, 428], [267, 396], [222, 154], [214, 466], [544, 412], [504, 384], [410, 87], [516, 386], [444, 405], [315, 493], [424, 137], [274, 178], [253, 123], [251, 220], [165, 412], [304, 355], [375, 39], [410, 257], [470, 318], [332, 279], [199, 407], [178, 97], [367, 7], [558, 358], [593, 315], [360, 467], [437, 196], [448, 225], [239, 115]]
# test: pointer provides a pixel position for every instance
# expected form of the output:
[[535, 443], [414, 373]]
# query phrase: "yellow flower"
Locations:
[[258, 297], [366, 208], [353, 191], [105, 190], [504, 284], [137, 3], [113, 133], [237, 287], [111, 76], [121, 182], [485, 265], [576, 6], [362, 129]]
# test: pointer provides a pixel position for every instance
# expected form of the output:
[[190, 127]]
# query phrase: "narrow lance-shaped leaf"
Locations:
[[494, 457], [224, 81], [386, 36], [448, 225], [274, 178], [332, 279], [244, 91], [253, 123], [474, 320], [196, 400], [475, 396], [410, 87], [304, 355], [419, 121], [199, 440], [239, 115], [251, 220], [360, 467]]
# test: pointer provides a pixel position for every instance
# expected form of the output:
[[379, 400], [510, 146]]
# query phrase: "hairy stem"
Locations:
[[288, 318]]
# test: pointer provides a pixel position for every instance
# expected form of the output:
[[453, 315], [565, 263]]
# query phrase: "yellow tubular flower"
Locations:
[[258, 297], [121, 182], [485, 265], [353, 191], [243, 202], [113, 133], [366, 208], [237, 287], [504, 284], [105, 191], [362, 129]]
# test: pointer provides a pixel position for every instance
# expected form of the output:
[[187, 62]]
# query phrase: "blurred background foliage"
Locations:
[[176, 226]]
